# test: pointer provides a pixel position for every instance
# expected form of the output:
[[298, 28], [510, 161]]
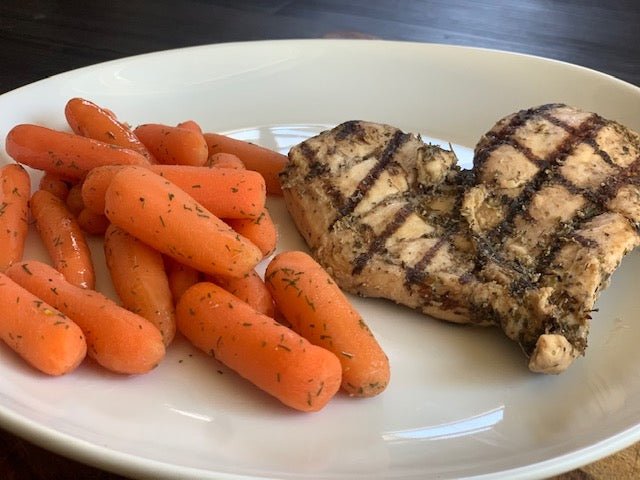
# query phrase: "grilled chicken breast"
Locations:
[[525, 240]]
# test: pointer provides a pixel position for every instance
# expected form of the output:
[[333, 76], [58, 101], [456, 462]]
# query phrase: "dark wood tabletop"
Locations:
[[40, 38]]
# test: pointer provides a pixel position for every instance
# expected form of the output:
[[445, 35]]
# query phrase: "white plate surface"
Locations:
[[461, 402]]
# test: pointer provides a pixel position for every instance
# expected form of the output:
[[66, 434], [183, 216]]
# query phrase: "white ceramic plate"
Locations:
[[461, 402]]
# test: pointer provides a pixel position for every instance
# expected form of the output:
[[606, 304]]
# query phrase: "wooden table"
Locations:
[[39, 38]]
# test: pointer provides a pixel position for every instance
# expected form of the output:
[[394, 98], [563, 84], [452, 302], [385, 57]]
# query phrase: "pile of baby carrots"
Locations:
[[185, 224]]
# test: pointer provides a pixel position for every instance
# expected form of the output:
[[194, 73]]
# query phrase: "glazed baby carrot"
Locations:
[[318, 310], [89, 120], [15, 188], [267, 162], [249, 288], [271, 356], [63, 239], [173, 145], [163, 216], [74, 201], [260, 230], [117, 339], [55, 184], [91, 222], [138, 276], [225, 160], [40, 334], [69, 155], [180, 277], [226, 193], [190, 125]]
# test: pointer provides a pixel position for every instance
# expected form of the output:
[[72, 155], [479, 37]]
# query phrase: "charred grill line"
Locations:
[[417, 273], [505, 134], [548, 166], [372, 175], [378, 242]]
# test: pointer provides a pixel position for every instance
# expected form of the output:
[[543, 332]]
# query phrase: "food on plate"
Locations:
[[15, 189], [140, 280], [526, 240], [174, 145], [268, 163], [90, 120], [260, 230], [250, 288], [224, 192], [316, 308], [63, 239], [46, 338], [268, 354], [165, 217], [117, 339], [66, 154], [172, 235]]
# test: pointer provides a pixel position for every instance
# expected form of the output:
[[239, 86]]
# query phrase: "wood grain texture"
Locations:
[[39, 38]]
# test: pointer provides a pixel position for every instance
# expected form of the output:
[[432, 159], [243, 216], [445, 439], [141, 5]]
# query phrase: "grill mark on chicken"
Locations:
[[545, 173], [378, 242], [568, 200], [367, 182]]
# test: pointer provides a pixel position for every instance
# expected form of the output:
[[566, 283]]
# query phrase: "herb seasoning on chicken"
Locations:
[[525, 240]]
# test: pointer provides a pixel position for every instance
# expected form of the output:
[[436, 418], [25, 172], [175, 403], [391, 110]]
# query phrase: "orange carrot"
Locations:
[[225, 160], [249, 288], [15, 188], [74, 201], [63, 239], [271, 356], [117, 339], [166, 218], [260, 230], [55, 184], [267, 162], [139, 278], [226, 193], [91, 222], [318, 310], [67, 154], [40, 334], [89, 120], [180, 277], [190, 125], [173, 145]]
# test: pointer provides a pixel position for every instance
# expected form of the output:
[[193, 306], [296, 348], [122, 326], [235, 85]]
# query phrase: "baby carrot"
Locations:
[[166, 218], [15, 188], [190, 125], [224, 192], [74, 201], [55, 184], [63, 239], [225, 160], [91, 222], [68, 155], [271, 356], [173, 145], [180, 277], [117, 339], [260, 230], [89, 120], [318, 310], [267, 162], [249, 288], [40, 334], [139, 278]]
